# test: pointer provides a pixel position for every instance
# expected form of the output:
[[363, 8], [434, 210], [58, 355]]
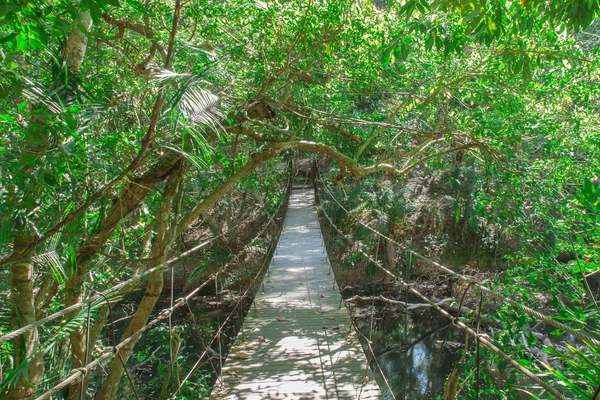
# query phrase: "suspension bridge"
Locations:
[[298, 341]]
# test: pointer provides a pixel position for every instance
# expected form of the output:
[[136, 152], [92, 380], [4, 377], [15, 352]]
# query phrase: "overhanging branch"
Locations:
[[264, 154]]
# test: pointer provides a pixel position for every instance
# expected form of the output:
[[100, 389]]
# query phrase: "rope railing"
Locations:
[[217, 334], [483, 339], [79, 373], [98, 296], [114, 288], [582, 333], [103, 296]]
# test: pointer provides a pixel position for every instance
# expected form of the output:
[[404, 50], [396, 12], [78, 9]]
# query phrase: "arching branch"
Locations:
[[347, 165]]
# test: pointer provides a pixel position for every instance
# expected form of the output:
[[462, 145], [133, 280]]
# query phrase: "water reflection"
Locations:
[[406, 348]]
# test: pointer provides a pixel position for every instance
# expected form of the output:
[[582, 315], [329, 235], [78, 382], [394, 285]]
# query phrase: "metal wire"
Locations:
[[199, 362], [114, 342], [406, 268], [113, 289], [77, 374], [477, 355], [171, 355], [582, 334], [87, 346], [487, 343]]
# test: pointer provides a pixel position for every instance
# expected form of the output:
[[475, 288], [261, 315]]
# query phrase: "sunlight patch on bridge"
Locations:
[[297, 341]]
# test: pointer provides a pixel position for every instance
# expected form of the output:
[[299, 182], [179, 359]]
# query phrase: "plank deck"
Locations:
[[297, 341]]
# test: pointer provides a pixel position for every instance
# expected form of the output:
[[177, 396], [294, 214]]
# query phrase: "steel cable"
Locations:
[[457, 322], [79, 373], [582, 334], [242, 297], [111, 290]]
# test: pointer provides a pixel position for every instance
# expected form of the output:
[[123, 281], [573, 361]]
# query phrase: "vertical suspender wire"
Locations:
[[351, 264], [373, 293], [335, 228], [459, 324], [87, 350], [219, 297], [372, 354], [477, 355], [202, 342], [114, 344], [171, 355], [406, 269]]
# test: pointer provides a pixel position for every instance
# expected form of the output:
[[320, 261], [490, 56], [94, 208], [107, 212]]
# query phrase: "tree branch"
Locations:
[[132, 26], [347, 167], [412, 306]]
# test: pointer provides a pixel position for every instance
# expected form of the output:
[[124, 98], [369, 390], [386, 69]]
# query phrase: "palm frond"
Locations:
[[5, 236], [49, 258], [165, 75], [5, 311], [204, 52], [14, 376], [76, 322], [40, 94], [201, 107], [195, 160]]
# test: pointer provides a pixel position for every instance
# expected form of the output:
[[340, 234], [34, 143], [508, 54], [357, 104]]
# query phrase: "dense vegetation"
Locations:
[[471, 127]]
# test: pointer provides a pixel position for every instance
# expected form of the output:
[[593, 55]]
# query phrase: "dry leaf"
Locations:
[[240, 355], [333, 328], [280, 318], [263, 339]]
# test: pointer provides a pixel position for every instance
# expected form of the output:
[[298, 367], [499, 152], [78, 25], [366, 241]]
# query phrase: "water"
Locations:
[[406, 352]]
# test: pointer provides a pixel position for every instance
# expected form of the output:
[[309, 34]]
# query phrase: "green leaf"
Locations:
[[7, 37], [22, 42]]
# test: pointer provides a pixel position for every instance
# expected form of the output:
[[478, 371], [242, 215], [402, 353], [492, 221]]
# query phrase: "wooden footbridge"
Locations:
[[297, 341]]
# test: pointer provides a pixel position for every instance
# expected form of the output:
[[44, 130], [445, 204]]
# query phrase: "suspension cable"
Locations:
[[457, 322], [220, 329], [198, 363], [111, 290], [583, 334], [79, 373]]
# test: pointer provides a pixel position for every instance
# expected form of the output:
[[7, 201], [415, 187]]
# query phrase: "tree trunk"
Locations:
[[131, 197], [23, 313], [23, 301], [164, 239], [77, 42]]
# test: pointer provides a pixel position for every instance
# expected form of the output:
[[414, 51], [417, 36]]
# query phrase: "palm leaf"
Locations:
[[165, 75], [201, 107], [49, 258], [40, 94], [5, 236]]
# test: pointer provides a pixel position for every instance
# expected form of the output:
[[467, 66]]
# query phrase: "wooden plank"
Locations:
[[297, 341]]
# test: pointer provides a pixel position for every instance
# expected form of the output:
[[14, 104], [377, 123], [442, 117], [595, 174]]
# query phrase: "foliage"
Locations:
[[468, 121]]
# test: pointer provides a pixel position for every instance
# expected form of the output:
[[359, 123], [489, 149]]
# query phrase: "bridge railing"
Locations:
[[104, 298], [481, 339]]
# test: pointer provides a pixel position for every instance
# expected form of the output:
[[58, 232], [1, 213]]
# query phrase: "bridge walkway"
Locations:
[[297, 341]]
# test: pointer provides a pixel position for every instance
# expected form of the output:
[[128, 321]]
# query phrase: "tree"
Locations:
[[106, 105]]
